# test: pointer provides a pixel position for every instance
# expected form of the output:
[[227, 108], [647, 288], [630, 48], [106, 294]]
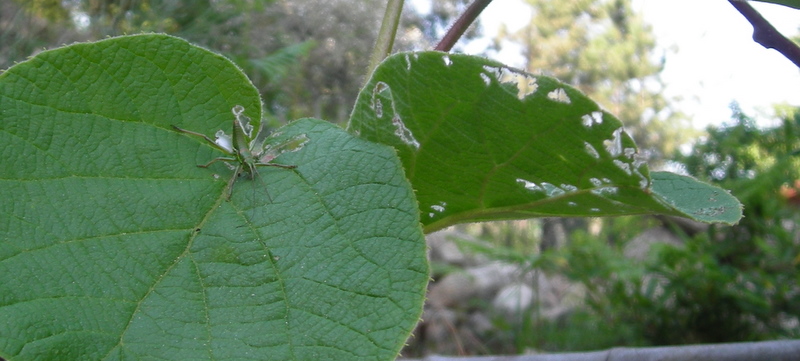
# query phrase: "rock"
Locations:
[[444, 249], [513, 299], [639, 247], [457, 288]]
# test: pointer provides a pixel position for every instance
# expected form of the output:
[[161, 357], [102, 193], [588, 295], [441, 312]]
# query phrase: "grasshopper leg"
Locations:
[[284, 166], [229, 187], [223, 159], [207, 139]]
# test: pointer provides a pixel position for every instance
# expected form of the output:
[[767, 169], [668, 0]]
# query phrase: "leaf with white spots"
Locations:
[[492, 142]]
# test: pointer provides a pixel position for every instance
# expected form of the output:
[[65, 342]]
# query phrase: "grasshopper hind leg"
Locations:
[[229, 187]]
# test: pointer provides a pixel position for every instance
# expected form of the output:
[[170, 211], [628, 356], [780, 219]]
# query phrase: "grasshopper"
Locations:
[[244, 151]]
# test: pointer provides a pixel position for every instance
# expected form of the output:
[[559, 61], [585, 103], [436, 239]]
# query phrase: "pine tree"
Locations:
[[606, 50]]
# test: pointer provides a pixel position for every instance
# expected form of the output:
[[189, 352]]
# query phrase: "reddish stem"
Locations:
[[766, 34], [460, 26]]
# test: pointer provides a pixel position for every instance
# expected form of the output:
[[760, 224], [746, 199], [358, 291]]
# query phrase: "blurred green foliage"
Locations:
[[226, 26], [306, 57], [723, 284]]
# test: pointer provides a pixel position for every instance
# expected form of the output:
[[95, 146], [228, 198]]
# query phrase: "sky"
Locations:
[[711, 58]]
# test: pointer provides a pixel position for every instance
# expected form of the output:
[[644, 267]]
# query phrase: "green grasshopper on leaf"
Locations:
[[245, 151]]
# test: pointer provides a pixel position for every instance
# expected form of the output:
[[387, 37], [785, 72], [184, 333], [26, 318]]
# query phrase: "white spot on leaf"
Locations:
[[403, 132], [569, 187], [622, 165], [710, 211], [548, 189], [605, 191], [242, 120], [592, 118], [377, 106], [529, 185], [551, 190], [629, 152], [486, 79], [614, 145], [643, 182], [223, 140], [559, 95], [525, 83], [438, 208], [591, 151], [237, 110], [495, 71], [381, 89]]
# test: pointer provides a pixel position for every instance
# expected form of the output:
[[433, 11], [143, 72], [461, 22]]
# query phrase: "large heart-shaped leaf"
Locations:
[[114, 245], [481, 141]]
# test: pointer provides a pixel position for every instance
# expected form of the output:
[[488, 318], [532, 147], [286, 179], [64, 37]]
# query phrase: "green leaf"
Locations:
[[115, 245], [790, 3], [481, 141], [700, 201]]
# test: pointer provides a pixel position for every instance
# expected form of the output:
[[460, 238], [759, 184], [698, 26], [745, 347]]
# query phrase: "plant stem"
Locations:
[[387, 33], [460, 26], [766, 34]]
